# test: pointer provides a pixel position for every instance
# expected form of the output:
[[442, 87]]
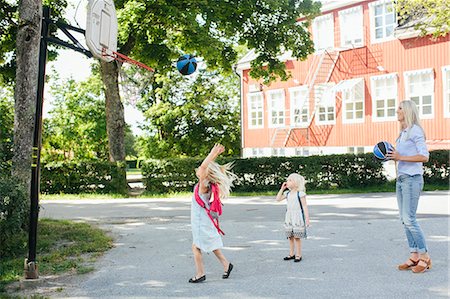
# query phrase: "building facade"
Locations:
[[343, 98]]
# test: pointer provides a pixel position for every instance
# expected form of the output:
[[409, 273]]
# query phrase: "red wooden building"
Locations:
[[343, 98]]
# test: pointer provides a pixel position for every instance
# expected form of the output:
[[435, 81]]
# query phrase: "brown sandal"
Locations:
[[422, 266], [408, 265]]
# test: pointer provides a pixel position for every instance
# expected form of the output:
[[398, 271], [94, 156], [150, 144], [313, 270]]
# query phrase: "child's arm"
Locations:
[[202, 171], [280, 195], [305, 210]]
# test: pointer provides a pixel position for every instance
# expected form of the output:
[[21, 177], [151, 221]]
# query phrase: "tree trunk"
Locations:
[[25, 94], [115, 119]]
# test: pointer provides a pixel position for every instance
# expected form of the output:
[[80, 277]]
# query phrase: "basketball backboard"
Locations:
[[101, 29]]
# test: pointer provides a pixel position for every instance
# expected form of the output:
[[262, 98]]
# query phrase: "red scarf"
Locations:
[[215, 206]]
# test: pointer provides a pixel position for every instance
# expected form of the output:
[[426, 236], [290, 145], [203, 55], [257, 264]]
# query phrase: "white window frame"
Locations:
[[446, 90], [351, 27], [372, 7], [323, 33], [299, 106], [278, 108], [385, 95], [326, 103], [421, 92], [353, 96], [258, 109]]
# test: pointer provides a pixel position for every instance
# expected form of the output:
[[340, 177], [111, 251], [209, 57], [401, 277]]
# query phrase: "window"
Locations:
[[351, 27], [325, 103], [299, 97], [275, 99], [278, 152], [384, 97], [383, 20], [323, 32], [419, 87], [352, 100], [255, 110], [257, 152], [446, 81]]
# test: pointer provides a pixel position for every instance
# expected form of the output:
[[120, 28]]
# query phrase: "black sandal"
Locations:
[[289, 257], [196, 280], [227, 274], [296, 260]]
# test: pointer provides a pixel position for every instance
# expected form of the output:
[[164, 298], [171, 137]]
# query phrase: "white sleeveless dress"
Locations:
[[204, 234], [294, 224]]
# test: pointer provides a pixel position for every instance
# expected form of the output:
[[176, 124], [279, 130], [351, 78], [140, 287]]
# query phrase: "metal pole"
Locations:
[[31, 270]]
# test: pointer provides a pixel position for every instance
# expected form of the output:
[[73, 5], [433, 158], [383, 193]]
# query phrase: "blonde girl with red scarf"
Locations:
[[214, 183]]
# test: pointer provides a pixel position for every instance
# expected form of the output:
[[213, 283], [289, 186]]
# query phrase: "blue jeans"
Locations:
[[408, 193]]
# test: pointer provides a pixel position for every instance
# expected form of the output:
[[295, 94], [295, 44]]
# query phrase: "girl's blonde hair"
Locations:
[[410, 113], [222, 176], [299, 180]]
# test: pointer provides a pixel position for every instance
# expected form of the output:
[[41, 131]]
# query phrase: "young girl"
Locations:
[[217, 180], [297, 215]]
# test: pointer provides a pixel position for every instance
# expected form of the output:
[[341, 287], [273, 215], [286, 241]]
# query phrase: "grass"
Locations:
[[63, 246]]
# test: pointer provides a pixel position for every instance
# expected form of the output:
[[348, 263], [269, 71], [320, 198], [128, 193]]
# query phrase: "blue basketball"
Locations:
[[186, 64], [381, 149]]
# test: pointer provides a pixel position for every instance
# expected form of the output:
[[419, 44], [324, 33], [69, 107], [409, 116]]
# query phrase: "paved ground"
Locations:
[[354, 243]]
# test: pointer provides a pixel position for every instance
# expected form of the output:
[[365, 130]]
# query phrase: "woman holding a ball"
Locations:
[[410, 154]]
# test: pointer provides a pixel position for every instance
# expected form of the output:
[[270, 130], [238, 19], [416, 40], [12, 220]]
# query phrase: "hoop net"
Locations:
[[135, 78]]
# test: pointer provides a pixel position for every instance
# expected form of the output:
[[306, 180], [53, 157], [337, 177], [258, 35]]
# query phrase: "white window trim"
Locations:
[[372, 90], [318, 104], [344, 110], [291, 105], [269, 107], [249, 110], [342, 14], [374, 40], [315, 34], [446, 90], [406, 76]]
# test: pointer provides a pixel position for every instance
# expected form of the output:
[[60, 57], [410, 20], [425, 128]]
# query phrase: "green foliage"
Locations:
[[191, 115], [431, 16], [14, 215], [6, 128], [83, 177], [322, 173], [266, 174], [437, 169], [76, 129], [63, 246], [155, 32]]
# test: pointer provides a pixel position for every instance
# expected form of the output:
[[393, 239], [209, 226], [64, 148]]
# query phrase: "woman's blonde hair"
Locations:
[[410, 113], [222, 176], [299, 181]]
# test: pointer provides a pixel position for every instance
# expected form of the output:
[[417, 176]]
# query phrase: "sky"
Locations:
[[71, 64]]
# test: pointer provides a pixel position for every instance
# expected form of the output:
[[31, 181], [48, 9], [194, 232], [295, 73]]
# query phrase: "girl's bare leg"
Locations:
[[200, 270], [291, 246], [222, 259], [298, 244]]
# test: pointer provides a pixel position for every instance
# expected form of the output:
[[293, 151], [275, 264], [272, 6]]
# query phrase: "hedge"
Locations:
[[267, 173], [83, 177]]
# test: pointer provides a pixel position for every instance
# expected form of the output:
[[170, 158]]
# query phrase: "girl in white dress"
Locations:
[[212, 179], [297, 215]]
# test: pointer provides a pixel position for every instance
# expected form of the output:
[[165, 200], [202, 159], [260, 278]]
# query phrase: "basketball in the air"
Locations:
[[186, 64], [381, 149]]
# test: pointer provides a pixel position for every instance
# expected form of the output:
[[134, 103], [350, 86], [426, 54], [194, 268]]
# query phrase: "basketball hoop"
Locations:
[[125, 59]]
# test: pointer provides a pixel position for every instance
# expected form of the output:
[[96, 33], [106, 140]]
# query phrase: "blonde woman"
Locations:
[[410, 153], [214, 183], [297, 214]]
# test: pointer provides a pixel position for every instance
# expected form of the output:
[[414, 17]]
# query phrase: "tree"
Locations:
[[157, 32], [189, 117], [76, 129], [432, 16], [6, 128]]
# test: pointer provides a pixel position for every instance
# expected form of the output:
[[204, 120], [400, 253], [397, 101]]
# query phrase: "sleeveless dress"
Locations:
[[204, 234], [294, 224]]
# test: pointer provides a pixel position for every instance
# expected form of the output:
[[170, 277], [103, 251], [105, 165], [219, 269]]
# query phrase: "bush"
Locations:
[[14, 217], [266, 174], [437, 169], [83, 177]]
